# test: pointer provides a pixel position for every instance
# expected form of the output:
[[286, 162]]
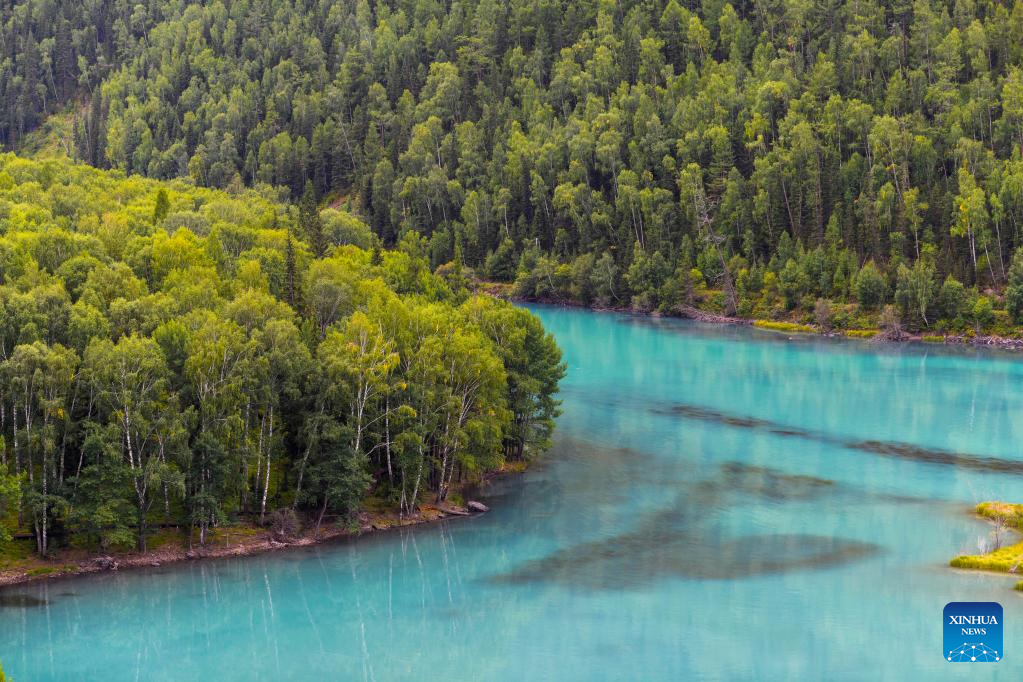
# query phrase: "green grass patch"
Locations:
[[1004, 559], [1012, 513], [163, 537], [40, 571], [933, 338], [784, 326], [375, 504], [16, 553], [861, 333]]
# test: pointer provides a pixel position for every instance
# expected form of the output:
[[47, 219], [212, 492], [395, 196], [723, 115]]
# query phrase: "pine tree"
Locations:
[[309, 218], [289, 262], [162, 207]]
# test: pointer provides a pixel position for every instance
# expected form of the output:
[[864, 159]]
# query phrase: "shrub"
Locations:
[[822, 314], [983, 313], [953, 299], [285, 524], [891, 325]]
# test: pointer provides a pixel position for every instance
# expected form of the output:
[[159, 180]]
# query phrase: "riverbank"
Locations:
[[242, 539], [781, 325], [1006, 520]]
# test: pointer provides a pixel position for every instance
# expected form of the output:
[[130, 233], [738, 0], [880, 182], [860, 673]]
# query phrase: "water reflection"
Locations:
[[20, 600]]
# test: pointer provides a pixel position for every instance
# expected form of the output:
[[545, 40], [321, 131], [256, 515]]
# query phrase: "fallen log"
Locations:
[[692, 313]]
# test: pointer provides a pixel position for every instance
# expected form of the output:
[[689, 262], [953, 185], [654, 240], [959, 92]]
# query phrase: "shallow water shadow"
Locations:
[[674, 542], [773, 483], [893, 449], [636, 559]]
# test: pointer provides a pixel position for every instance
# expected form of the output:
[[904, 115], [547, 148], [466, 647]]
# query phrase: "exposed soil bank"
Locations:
[[231, 541]]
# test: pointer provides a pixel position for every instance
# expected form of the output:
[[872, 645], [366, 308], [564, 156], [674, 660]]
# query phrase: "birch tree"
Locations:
[[131, 382]]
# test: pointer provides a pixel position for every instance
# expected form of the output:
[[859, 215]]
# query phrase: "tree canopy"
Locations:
[[794, 141], [174, 354]]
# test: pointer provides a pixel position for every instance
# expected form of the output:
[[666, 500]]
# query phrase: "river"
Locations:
[[720, 503]]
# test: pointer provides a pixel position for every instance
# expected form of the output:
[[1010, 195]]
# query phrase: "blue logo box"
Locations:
[[973, 632]]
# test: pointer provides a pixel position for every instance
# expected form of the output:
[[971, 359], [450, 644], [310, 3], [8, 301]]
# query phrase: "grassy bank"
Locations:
[[1006, 520]]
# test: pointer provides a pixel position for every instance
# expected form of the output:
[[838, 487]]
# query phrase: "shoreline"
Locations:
[[253, 541], [1005, 554], [687, 312]]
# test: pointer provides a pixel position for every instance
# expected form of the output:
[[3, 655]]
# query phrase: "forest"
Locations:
[[261, 295], [752, 157], [175, 355]]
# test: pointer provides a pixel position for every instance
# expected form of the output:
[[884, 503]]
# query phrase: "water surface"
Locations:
[[720, 503]]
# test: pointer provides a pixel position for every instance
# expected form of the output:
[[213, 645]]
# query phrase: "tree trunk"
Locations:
[[269, 450], [142, 529]]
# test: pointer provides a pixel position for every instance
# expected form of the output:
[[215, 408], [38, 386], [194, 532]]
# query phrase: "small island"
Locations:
[[1000, 557]]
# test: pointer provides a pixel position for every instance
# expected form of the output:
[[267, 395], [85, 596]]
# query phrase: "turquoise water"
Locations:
[[720, 503]]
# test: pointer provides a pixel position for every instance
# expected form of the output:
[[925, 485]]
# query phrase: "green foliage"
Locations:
[[162, 206], [793, 283], [10, 497], [645, 277], [1014, 291], [983, 313], [501, 263], [953, 299], [189, 376], [916, 291], [103, 514], [309, 218], [870, 286], [805, 146]]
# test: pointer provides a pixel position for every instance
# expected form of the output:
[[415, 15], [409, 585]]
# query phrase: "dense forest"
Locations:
[[175, 355], [280, 315], [626, 153]]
